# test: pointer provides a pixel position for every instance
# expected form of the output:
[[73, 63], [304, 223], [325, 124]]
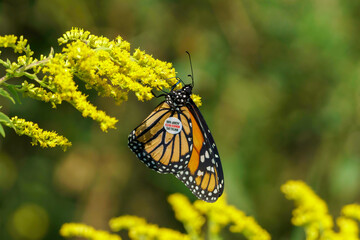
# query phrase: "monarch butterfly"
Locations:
[[175, 139]]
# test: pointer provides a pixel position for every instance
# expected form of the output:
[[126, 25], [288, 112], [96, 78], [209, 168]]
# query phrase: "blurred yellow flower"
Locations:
[[139, 229], [126, 222], [82, 230], [187, 214], [218, 214], [311, 212], [351, 211]]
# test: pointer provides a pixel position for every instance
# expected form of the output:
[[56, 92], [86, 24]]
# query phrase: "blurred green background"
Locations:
[[280, 82]]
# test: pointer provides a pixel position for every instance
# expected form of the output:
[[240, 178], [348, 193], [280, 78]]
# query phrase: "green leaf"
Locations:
[[2, 132], [5, 119], [13, 90], [4, 93]]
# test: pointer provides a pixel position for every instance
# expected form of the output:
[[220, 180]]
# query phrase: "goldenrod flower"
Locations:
[[7, 40], [218, 214], [196, 99], [60, 80], [187, 214], [39, 93], [151, 231], [39, 136], [349, 229], [126, 222], [19, 45], [140, 229], [311, 210], [106, 66], [110, 68], [351, 211], [221, 214], [84, 231], [312, 214]]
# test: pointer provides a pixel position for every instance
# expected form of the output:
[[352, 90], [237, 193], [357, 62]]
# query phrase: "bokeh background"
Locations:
[[280, 82]]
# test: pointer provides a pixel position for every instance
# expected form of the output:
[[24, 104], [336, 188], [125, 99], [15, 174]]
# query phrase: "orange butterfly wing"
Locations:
[[203, 175], [157, 148], [191, 155]]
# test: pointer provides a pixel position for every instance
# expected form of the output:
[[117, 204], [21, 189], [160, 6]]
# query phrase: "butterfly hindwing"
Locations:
[[157, 148], [203, 175]]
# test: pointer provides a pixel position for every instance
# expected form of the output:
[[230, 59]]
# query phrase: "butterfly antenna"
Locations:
[[179, 81], [192, 72]]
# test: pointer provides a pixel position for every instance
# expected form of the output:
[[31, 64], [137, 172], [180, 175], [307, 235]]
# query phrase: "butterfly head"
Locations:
[[179, 97]]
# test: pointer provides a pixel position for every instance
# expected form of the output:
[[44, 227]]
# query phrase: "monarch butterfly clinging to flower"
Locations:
[[175, 139]]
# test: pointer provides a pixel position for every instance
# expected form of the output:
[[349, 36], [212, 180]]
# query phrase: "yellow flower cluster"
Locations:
[[196, 99], [140, 229], [39, 93], [351, 211], [187, 214], [126, 222], [311, 210], [60, 80], [39, 136], [311, 213], [84, 231], [109, 67], [19, 45], [220, 214]]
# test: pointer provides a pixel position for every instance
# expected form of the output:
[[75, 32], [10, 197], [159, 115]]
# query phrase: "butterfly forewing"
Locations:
[[157, 148]]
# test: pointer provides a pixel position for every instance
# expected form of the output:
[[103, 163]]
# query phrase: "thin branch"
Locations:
[[4, 79], [34, 64], [24, 68]]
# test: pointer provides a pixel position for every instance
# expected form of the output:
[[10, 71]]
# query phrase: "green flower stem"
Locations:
[[4, 79], [22, 71]]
